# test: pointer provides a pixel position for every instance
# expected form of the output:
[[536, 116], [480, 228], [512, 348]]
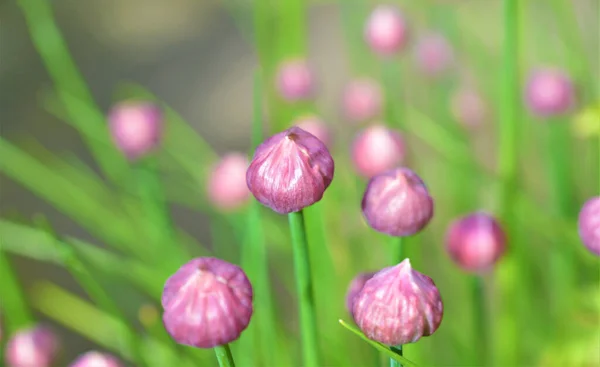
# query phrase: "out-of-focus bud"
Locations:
[[295, 80], [469, 108], [96, 359], [362, 100], [549, 92], [434, 55], [227, 189], [386, 31], [33, 347], [315, 126], [356, 285], [135, 127], [377, 149], [589, 225]]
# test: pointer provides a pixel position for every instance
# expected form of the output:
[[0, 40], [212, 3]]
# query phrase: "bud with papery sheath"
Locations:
[[356, 285], [589, 225], [397, 203], [315, 126], [377, 149], [96, 359], [227, 189], [386, 31], [295, 80], [37, 346], [549, 92], [362, 100], [475, 242], [207, 302], [135, 127], [398, 305], [290, 171]]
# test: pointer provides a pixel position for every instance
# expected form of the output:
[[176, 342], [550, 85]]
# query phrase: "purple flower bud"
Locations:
[[96, 359], [295, 80], [475, 242], [314, 125], [377, 149], [136, 128], [227, 189], [434, 55], [386, 31], [397, 203], [469, 108], [33, 347], [549, 92], [290, 171], [362, 100], [398, 305], [207, 302], [356, 285], [589, 225]]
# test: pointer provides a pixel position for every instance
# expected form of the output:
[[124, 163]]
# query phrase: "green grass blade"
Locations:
[[15, 308]]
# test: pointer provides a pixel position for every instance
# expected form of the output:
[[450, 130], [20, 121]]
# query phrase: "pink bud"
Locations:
[[469, 108], [363, 100], [398, 305], [290, 171], [475, 242], [434, 55], [136, 128], [295, 80], [314, 125], [377, 149], [33, 347], [549, 92], [386, 31], [207, 302], [227, 189], [96, 359], [356, 285], [397, 203], [589, 225]]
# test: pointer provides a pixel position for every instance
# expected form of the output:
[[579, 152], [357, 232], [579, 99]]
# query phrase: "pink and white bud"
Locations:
[[475, 242], [33, 347], [136, 128], [397, 203], [589, 225], [314, 125], [356, 285], [549, 92], [434, 55], [468, 108], [377, 149], [362, 100], [227, 189], [386, 31], [295, 80], [398, 305], [96, 359], [290, 171], [207, 302]]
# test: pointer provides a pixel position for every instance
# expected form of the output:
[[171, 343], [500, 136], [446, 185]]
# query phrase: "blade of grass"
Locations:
[[15, 309]]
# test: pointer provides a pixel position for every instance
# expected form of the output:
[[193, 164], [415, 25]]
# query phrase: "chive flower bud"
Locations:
[[227, 189], [386, 31], [589, 225], [434, 55], [295, 80], [468, 108], [96, 359], [135, 127], [377, 149], [33, 347], [356, 285], [314, 125], [549, 92], [362, 100]]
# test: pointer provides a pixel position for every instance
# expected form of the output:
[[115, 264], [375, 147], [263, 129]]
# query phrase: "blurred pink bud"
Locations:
[[475, 242], [469, 108], [314, 125], [549, 92], [386, 31], [356, 285], [96, 359], [397, 203], [377, 149], [227, 189], [295, 80], [398, 305], [434, 55], [207, 302], [363, 100], [136, 128], [589, 225], [290, 171], [33, 347]]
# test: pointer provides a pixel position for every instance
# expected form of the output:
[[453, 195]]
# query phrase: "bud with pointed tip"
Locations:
[[290, 171], [96, 359], [356, 285], [398, 305], [377, 149], [135, 127], [397, 203], [475, 242], [315, 126], [37, 346], [589, 225], [207, 302], [434, 55], [549, 92], [362, 100], [469, 108], [227, 189], [295, 80], [386, 31]]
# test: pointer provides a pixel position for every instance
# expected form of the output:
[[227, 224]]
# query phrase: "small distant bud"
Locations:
[[315, 126], [469, 108], [589, 225], [398, 305], [386, 31], [549, 92], [434, 55], [227, 189], [397, 203], [207, 302], [475, 242], [356, 285], [96, 359], [290, 171], [36, 346], [295, 80], [363, 100], [136, 128], [377, 149]]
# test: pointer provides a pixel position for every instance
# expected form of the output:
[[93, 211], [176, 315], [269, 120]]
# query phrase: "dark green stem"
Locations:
[[224, 356], [306, 306], [480, 340], [398, 350]]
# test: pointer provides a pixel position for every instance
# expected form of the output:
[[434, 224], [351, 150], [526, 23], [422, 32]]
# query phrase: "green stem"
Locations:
[[480, 340], [398, 350], [304, 287], [17, 314], [224, 356]]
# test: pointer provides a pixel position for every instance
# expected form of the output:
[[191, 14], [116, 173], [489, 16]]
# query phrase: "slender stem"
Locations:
[[479, 321], [14, 305], [304, 287], [224, 356], [398, 350]]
